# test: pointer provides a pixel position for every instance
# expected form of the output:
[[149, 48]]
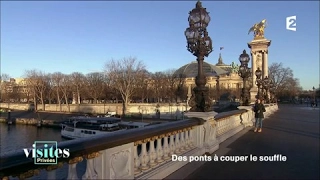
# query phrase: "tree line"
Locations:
[[126, 80]]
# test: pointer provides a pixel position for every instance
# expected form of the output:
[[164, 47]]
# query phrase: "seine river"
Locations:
[[17, 136]]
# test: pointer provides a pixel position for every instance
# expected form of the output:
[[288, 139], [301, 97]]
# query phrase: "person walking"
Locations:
[[259, 109]]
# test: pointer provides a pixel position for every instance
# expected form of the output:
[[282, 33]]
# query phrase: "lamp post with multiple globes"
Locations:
[[244, 73], [267, 84], [200, 45]]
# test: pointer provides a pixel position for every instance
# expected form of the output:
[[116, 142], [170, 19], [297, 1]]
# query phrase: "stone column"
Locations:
[[254, 68], [254, 89], [265, 67], [258, 46], [265, 63]]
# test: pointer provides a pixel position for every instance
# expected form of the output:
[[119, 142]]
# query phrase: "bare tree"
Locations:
[[181, 92], [125, 75], [95, 85], [5, 77], [39, 83], [51, 89], [77, 80], [57, 78], [170, 82], [282, 78], [290, 89], [158, 86], [66, 88], [110, 92], [141, 92]]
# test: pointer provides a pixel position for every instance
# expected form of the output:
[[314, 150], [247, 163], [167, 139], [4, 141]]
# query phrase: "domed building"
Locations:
[[221, 78]]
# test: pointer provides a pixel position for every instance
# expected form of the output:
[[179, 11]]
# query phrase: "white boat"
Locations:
[[79, 127]]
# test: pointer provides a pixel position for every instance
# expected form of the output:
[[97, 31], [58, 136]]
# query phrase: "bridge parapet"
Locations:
[[144, 153]]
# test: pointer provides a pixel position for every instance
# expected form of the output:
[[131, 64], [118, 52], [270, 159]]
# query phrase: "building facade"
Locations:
[[13, 89], [221, 78]]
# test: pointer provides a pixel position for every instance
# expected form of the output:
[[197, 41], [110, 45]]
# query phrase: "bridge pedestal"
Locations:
[[247, 118], [206, 132], [259, 56]]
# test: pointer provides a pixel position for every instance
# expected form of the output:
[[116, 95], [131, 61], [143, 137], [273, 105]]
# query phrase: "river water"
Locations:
[[18, 136]]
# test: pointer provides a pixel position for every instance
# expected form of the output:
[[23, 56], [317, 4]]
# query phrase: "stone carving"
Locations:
[[120, 164], [172, 146], [190, 138], [53, 167], [29, 173], [259, 61], [182, 141], [75, 160], [258, 29], [138, 143], [144, 157], [91, 172], [152, 153], [136, 161], [92, 155], [177, 143], [72, 172], [166, 149], [159, 151], [146, 140], [234, 68], [210, 132]]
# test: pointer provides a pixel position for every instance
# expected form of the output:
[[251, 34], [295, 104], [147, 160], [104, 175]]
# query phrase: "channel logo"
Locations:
[[46, 152], [291, 23]]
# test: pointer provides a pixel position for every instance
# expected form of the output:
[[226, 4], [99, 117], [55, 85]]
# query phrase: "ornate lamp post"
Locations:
[[272, 97], [200, 45], [258, 74], [267, 84], [244, 73]]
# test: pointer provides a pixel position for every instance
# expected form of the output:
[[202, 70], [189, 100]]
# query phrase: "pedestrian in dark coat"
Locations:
[[259, 109]]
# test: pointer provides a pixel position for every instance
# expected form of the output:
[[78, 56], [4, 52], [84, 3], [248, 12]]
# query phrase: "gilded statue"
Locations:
[[234, 68], [258, 29]]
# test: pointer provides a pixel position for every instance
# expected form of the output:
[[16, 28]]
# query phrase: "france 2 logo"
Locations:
[[291, 23]]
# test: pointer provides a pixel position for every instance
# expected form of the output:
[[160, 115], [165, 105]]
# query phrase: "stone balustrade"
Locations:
[[144, 153]]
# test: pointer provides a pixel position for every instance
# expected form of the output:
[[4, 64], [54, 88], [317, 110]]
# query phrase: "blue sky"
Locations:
[[82, 36]]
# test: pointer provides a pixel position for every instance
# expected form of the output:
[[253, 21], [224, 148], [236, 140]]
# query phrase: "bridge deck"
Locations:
[[293, 131]]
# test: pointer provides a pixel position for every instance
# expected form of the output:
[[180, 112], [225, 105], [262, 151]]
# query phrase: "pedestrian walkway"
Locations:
[[292, 132]]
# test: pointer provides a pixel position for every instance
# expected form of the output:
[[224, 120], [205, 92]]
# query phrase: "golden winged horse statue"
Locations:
[[258, 29]]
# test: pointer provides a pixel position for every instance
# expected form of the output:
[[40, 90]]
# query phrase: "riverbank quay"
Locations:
[[44, 119], [33, 122], [54, 119]]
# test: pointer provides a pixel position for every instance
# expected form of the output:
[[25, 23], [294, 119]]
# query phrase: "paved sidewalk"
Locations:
[[293, 132]]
